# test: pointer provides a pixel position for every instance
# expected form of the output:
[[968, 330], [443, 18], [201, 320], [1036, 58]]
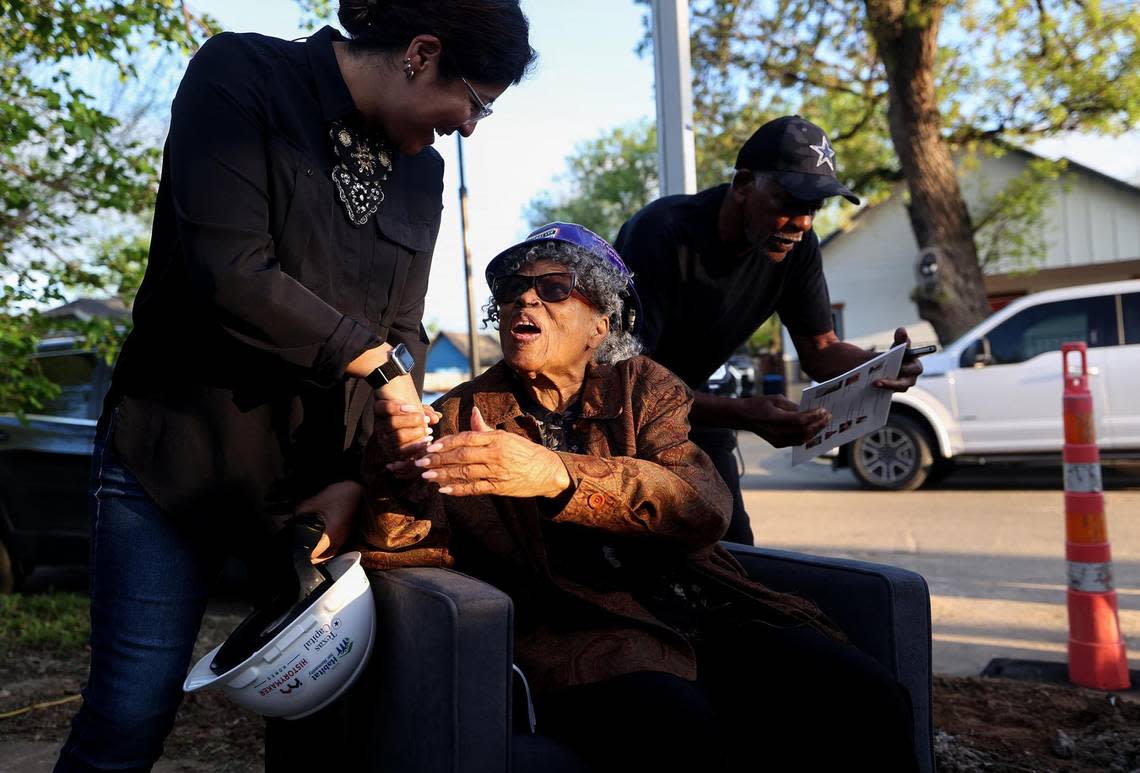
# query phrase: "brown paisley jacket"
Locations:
[[643, 487]]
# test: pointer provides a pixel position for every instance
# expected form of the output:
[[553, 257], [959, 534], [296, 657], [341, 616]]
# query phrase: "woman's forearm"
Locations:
[[368, 361], [401, 389]]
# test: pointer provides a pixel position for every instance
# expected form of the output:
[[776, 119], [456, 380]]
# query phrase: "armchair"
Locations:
[[438, 695]]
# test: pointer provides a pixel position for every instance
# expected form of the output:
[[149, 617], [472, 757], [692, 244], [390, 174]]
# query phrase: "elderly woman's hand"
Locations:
[[490, 461]]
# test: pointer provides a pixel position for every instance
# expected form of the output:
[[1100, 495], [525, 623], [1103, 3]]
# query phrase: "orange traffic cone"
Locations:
[[1097, 656]]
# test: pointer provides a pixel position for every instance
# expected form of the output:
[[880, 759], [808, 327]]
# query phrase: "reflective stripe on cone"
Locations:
[[1090, 578], [1082, 468]]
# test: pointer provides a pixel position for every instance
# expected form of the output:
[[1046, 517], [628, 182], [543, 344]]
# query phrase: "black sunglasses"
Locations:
[[551, 288]]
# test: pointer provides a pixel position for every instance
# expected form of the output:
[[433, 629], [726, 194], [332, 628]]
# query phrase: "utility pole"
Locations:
[[472, 333], [676, 154]]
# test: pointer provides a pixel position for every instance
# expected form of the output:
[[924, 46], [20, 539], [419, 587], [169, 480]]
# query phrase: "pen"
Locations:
[[919, 351]]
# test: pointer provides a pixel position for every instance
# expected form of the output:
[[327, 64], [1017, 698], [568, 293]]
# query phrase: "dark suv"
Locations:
[[44, 466]]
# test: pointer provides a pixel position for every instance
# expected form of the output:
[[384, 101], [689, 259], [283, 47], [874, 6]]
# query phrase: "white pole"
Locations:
[[676, 156], [472, 331]]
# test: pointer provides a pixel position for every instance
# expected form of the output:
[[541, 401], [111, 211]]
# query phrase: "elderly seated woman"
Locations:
[[565, 477]]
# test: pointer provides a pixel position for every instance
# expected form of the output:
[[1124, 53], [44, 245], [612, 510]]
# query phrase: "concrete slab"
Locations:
[[40, 757], [28, 757], [989, 542]]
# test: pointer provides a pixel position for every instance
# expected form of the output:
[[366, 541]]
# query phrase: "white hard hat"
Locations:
[[295, 663]]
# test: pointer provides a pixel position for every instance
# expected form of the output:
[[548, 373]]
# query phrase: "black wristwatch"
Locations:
[[400, 362]]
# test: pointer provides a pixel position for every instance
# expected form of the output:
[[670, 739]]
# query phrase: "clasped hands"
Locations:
[[482, 461]]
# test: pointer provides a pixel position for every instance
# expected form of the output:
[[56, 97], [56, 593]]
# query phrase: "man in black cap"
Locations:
[[712, 267]]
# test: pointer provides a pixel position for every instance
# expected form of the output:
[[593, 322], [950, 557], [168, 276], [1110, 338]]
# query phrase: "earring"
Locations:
[[409, 71]]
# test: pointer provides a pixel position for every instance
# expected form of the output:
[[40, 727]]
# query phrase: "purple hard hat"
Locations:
[[584, 238]]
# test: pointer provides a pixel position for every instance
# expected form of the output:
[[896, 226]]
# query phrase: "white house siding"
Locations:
[[1092, 234], [1102, 223], [872, 273]]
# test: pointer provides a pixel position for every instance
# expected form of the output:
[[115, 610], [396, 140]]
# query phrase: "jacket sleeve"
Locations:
[[404, 523], [216, 152], [670, 489]]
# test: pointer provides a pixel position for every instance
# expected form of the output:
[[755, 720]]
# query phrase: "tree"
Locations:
[[77, 177], [926, 79], [610, 178]]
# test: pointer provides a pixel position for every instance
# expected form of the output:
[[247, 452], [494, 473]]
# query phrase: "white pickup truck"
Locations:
[[994, 394]]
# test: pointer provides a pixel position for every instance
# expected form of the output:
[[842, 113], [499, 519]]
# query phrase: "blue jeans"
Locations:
[[149, 587]]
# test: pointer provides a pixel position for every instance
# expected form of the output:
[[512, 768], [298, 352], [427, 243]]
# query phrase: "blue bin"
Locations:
[[773, 384]]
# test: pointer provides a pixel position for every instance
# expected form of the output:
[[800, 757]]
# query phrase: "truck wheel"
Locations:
[[896, 457], [7, 570]]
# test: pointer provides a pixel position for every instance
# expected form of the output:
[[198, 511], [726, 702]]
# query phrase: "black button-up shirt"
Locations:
[[230, 394]]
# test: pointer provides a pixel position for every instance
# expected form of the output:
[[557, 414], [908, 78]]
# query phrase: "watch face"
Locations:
[[404, 357]]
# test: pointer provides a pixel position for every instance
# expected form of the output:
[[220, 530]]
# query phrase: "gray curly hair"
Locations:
[[595, 279]]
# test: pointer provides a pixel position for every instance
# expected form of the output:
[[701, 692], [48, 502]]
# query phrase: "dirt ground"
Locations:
[[991, 725], [1007, 726], [210, 734]]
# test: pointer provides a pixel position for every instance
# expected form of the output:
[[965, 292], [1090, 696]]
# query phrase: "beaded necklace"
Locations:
[[363, 162]]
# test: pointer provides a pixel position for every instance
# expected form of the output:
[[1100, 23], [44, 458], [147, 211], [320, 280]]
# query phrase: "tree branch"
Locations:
[[887, 174], [794, 76], [873, 102]]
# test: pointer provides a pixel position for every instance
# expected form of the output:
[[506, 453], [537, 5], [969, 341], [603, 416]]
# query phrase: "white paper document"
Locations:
[[856, 407]]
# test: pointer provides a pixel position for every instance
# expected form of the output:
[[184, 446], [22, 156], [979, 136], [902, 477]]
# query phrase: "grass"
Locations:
[[45, 622]]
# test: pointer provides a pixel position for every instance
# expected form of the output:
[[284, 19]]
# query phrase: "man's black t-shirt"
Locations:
[[701, 299]]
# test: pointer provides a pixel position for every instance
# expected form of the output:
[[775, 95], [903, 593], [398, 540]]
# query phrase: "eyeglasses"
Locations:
[[552, 288], [482, 110]]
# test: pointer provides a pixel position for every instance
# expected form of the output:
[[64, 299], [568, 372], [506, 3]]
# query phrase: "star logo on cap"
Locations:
[[826, 154]]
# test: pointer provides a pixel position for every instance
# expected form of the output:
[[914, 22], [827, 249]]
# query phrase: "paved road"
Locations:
[[990, 542]]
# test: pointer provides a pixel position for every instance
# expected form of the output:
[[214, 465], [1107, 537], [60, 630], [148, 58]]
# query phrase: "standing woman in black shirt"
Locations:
[[296, 217]]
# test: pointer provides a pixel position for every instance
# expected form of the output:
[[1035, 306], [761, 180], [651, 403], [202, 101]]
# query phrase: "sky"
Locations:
[[588, 80]]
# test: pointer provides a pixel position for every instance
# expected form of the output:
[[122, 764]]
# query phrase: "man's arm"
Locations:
[[773, 417], [824, 356], [779, 420]]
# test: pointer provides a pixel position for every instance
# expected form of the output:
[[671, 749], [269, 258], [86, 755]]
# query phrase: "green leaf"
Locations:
[[76, 180]]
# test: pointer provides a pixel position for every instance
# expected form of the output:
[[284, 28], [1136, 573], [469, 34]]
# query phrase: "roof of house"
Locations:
[[85, 309], [1027, 154], [489, 350]]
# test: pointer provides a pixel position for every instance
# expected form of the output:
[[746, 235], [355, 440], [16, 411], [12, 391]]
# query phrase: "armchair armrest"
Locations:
[[885, 610], [436, 696]]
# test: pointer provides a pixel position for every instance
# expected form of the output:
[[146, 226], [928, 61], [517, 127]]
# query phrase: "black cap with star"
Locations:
[[798, 152]]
